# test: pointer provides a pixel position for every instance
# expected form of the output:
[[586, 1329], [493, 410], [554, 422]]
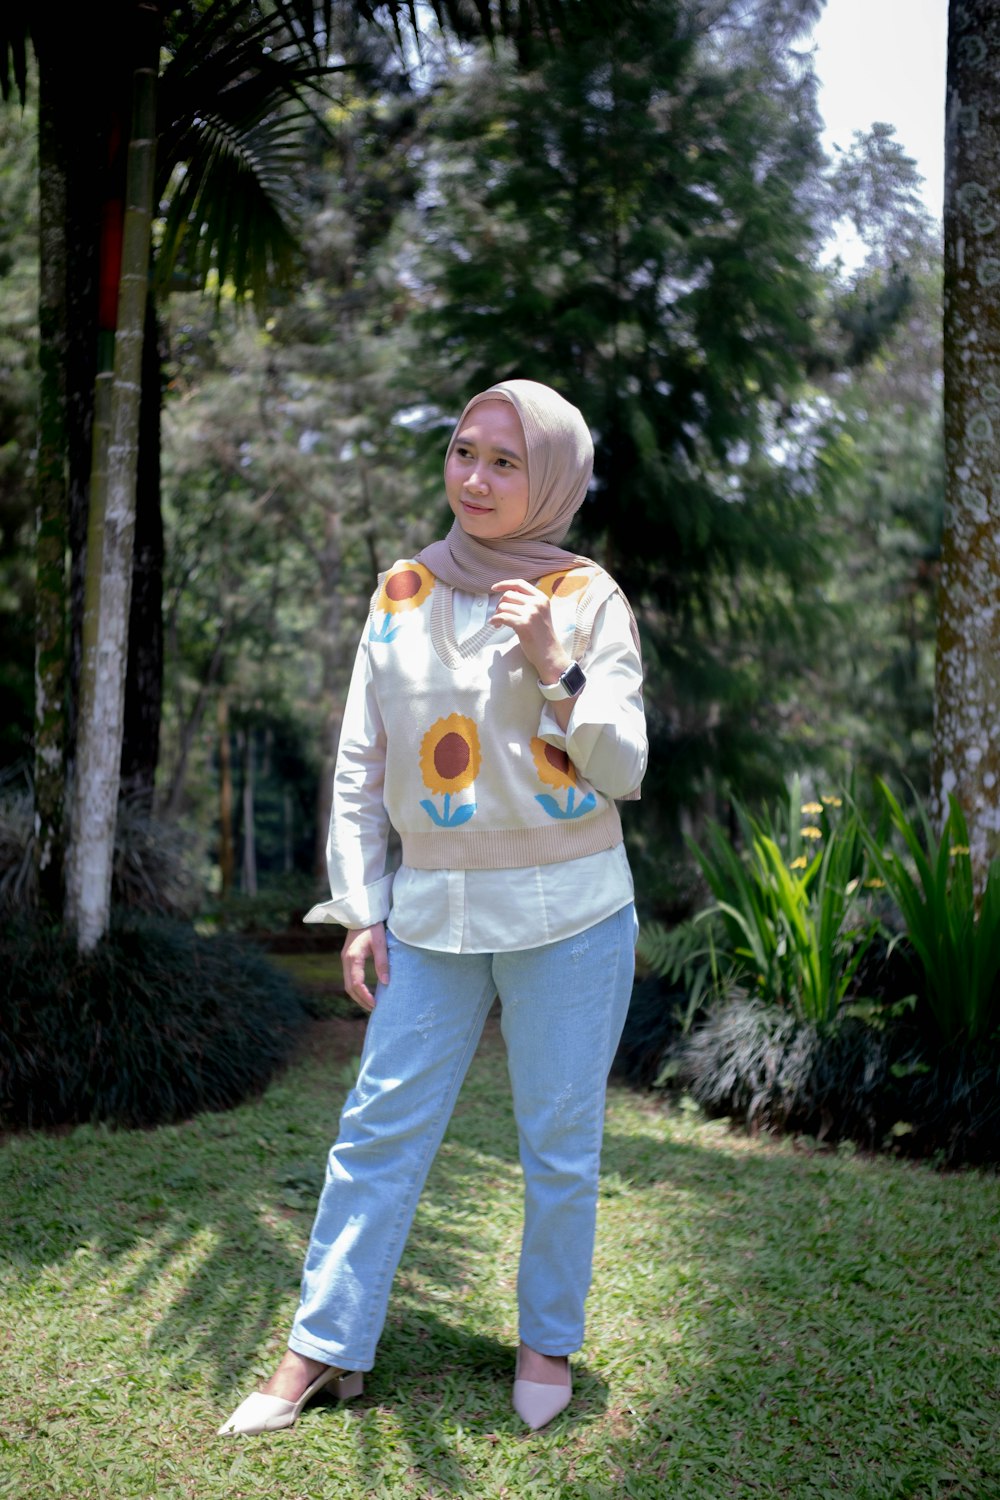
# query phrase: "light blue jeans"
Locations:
[[564, 1007]]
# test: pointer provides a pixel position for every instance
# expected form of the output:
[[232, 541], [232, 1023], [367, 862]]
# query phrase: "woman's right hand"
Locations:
[[360, 944]]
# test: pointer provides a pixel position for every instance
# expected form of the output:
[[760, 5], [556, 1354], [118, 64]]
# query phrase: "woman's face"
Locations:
[[486, 474]]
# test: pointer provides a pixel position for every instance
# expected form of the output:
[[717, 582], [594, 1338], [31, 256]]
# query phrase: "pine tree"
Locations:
[[634, 222]]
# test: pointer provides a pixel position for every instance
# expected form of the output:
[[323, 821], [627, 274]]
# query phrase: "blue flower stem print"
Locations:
[[384, 632], [572, 809], [462, 813]]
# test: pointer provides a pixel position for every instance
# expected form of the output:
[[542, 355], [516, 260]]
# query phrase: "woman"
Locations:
[[494, 715]]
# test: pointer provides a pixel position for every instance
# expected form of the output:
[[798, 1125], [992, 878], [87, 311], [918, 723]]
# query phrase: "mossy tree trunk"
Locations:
[[967, 696], [52, 519], [111, 526]]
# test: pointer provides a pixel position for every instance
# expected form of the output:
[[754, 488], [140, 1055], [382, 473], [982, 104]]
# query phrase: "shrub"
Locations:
[[152, 870], [154, 1025], [279, 905], [957, 945], [888, 1085]]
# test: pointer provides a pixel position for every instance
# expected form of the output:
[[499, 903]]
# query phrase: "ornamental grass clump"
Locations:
[[155, 1025]]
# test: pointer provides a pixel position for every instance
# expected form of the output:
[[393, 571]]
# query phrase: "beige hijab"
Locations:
[[560, 462]]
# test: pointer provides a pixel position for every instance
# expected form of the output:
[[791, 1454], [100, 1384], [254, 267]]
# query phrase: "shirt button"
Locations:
[[480, 601]]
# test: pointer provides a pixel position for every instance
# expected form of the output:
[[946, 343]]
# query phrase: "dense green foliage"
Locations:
[[845, 981], [787, 913], [635, 214], [953, 930], [156, 1024]]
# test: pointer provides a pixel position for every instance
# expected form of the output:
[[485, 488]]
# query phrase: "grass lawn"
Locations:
[[766, 1320]]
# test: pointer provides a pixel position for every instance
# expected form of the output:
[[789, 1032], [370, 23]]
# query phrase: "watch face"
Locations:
[[573, 679]]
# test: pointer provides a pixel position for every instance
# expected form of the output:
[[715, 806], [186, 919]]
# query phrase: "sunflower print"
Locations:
[[562, 585], [555, 769], [450, 758], [405, 587]]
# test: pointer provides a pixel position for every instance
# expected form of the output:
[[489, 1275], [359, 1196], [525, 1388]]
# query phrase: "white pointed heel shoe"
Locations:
[[536, 1403], [261, 1413]]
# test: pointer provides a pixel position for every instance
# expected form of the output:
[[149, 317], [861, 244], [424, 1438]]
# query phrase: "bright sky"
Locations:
[[885, 60]]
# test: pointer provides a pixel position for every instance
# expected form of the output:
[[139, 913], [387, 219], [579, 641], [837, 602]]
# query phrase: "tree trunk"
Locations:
[[331, 654], [227, 860], [249, 841], [175, 796], [52, 529], [110, 529], [967, 689], [144, 679]]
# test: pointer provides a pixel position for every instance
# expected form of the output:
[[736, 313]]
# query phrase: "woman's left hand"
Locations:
[[528, 611]]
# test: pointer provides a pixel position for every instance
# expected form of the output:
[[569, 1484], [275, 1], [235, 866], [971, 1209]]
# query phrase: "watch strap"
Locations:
[[571, 682]]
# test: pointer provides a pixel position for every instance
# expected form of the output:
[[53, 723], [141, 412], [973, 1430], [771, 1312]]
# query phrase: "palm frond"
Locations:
[[15, 34], [231, 208]]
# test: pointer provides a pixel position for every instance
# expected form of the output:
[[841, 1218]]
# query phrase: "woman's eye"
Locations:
[[504, 463]]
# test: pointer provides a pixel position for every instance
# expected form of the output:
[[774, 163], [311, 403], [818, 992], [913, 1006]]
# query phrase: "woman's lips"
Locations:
[[476, 510]]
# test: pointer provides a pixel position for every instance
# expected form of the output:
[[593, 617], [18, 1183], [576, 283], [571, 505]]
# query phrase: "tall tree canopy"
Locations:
[[635, 220]]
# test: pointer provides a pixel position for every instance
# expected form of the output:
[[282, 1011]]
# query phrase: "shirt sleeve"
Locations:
[[606, 735], [359, 825]]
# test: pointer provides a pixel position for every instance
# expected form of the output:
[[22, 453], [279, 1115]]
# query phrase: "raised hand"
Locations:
[[528, 611]]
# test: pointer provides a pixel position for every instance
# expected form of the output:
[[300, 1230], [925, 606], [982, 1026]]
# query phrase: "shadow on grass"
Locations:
[[798, 1315]]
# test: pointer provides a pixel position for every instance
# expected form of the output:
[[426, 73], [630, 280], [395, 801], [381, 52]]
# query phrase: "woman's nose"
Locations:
[[474, 482]]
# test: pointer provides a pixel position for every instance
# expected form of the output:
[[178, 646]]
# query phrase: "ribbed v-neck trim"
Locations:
[[443, 631]]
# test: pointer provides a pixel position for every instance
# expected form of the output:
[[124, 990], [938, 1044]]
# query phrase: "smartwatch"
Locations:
[[572, 682]]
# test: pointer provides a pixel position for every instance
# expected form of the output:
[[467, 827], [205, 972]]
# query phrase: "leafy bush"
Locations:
[[878, 1086], [278, 905], [154, 1025], [958, 946]]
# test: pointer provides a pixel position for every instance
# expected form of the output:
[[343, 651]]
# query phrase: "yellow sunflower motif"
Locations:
[[562, 585], [554, 766], [450, 758], [406, 587], [555, 769]]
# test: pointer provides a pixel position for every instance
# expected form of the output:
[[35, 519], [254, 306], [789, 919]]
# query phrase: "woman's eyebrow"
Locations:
[[469, 442]]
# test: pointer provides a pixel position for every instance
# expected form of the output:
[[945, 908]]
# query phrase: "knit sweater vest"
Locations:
[[469, 785]]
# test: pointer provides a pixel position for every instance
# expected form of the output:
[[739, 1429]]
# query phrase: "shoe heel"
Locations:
[[351, 1383]]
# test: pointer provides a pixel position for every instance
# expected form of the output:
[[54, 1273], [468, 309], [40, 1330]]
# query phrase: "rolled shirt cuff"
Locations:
[[359, 908]]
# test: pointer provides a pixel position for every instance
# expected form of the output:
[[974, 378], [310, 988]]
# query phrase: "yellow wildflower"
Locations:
[[811, 832], [958, 849], [830, 801], [799, 864], [811, 809], [874, 884]]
